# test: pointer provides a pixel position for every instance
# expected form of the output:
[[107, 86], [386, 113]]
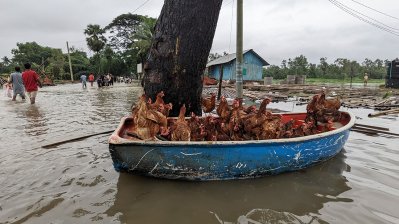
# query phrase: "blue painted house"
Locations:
[[252, 66]]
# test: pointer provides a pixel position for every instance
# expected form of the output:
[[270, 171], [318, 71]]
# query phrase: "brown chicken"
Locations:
[[208, 105], [327, 109], [235, 124], [250, 109], [223, 110], [321, 109], [165, 109], [311, 110], [271, 128], [287, 129], [197, 129], [210, 124], [158, 101], [253, 122], [181, 130], [246, 110], [222, 132], [147, 122]]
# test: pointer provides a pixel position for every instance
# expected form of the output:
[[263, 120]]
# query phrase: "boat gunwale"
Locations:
[[115, 139]]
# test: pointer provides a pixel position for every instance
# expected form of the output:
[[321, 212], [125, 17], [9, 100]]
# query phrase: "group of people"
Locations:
[[27, 81], [105, 80], [83, 80], [126, 80]]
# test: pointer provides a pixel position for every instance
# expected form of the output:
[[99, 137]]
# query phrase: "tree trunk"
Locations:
[[177, 59]]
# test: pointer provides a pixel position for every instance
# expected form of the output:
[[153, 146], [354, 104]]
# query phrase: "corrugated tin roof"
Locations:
[[230, 57]]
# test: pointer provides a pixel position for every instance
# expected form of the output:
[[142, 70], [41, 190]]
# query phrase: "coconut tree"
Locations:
[[95, 40], [6, 61], [143, 36]]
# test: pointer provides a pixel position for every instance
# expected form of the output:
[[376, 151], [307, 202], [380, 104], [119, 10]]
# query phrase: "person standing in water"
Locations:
[[31, 82], [91, 79], [365, 79], [17, 84], [83, 79]]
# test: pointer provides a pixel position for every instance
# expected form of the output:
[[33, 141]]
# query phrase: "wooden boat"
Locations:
[[224, 160]]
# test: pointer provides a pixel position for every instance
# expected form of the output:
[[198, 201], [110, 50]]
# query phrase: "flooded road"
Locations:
[[76, 183]]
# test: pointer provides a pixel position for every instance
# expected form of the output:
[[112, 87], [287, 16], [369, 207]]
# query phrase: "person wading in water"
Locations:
[[31, 82]]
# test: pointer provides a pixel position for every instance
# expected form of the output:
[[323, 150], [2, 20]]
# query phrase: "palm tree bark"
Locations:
[[178, 55]]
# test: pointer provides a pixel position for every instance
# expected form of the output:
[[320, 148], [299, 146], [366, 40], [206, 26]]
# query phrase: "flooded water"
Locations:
[[76, 183]]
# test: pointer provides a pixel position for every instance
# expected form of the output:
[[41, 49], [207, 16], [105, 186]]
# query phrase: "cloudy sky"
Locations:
[[276, 30]]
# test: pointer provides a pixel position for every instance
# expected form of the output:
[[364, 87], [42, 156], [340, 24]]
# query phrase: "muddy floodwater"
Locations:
[[76, 182]]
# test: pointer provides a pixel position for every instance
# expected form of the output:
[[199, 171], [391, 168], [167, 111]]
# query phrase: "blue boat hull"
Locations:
[[226, 160]]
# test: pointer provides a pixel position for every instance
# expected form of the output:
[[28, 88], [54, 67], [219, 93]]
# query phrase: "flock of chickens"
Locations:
[[233, 123]]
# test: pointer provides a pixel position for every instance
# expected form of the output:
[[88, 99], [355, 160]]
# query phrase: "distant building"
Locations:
[[252, 66], [392, 78]]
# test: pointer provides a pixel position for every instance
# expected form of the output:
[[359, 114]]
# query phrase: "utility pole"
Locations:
[[70, 64], [220, 81], [352, 72], [239, 50]]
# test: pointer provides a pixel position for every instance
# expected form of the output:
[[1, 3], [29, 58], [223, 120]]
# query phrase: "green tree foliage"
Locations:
[[122, 29], [80, 63], [55, 68], [128, 40], [5, 65], [95, 37], [96, 42], [275, 72], [299, 65], [143, 37], [214, 56], [46, 61], [323, 66], [6, 61], [33, 53], [342, 68]]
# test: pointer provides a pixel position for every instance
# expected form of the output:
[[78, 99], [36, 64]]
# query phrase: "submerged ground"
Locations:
[[76, 183]]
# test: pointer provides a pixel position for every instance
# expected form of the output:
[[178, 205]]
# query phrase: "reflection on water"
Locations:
[[76, 183], [36, 121], [299, 194], [270, 216]]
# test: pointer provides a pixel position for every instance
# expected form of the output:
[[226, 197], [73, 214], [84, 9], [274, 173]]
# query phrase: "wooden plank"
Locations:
[[393, 111], [374, 131], [364, 131], [75, 139], [372, 127]]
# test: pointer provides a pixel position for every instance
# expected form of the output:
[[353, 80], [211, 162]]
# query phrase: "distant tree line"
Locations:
[[341, 68], [117, 48]]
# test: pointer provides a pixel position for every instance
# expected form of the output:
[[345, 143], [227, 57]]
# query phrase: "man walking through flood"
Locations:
[[17, 84], [365, 79], [31, 82], [83, 79], [91, 79]]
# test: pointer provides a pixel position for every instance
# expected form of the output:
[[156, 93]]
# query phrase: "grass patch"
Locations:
[[341, 81]]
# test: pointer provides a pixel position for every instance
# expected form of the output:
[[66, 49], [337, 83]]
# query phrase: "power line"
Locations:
[[351, 12], [383, 24], [393, 17], [348, 10], [140, 6]]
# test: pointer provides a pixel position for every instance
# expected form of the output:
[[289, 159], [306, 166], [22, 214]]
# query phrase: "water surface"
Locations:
[[76, 183]]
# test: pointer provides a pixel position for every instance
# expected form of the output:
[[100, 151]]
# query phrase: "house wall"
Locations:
[[252, 64]]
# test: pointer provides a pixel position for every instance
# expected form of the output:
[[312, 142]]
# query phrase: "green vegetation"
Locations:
[[337, 72], [117, 47], [341, 81]]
